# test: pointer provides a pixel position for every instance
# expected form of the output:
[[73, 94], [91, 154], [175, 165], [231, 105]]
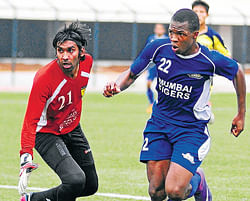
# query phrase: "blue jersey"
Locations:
[[183, 82], [151, 70]]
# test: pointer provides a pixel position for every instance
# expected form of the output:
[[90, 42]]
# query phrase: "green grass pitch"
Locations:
[[114, 129]]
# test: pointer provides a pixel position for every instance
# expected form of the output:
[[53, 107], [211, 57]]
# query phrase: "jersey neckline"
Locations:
[[190, 56]]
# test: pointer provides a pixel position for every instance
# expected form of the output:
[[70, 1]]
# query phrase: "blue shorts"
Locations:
[[186, 145], [152, 73]]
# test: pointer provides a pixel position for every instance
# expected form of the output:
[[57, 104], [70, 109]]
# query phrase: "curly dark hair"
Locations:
[[77, 32], [187, 15]]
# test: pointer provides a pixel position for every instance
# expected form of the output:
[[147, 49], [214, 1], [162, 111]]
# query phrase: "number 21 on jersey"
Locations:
[[165, 65], [63, 101]]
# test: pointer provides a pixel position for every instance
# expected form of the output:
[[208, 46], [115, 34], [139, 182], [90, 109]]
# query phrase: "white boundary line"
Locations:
[[112, 195]]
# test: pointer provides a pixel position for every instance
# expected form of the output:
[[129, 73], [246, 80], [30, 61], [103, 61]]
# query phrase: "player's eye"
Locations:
[[182, 34], [60, 50], [71, 49]]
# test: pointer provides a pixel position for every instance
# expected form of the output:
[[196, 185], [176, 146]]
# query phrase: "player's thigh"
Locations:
[[178, 177], [79, 147], [156, 153], [80, 150], [156, 173], [188, 154], [55, 153], [51, 148]]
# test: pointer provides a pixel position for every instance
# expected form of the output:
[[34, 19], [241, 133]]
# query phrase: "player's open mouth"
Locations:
[[174, 48], [67, 65]]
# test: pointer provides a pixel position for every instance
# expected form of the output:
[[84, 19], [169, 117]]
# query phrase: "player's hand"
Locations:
[[238, 125], [110, 89], [26, 168]]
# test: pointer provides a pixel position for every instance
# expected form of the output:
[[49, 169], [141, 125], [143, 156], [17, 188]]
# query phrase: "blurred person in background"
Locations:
[[176, 137], [51, 122], [207, 36], [159, 33]]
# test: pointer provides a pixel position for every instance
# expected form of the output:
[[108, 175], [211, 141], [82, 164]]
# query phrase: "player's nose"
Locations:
[[65, 56], [173, 38]]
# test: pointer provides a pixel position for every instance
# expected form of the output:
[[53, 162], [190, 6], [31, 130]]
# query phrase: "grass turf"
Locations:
[[114, 130]]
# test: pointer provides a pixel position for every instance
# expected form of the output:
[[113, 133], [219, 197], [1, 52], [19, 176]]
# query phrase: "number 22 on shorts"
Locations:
[[145, 145]]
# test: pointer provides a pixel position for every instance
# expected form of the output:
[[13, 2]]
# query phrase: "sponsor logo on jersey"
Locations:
[[175, 90], [195, 76], [189, 157], [69, 120], [84, 74]]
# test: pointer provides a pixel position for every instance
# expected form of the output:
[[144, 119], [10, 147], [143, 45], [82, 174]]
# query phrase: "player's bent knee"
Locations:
[[157, 194], [175, 193], [77, 183], [91, 188]]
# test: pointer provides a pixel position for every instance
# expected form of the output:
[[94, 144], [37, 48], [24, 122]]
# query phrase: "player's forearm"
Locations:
[[125, 80], [240, 87], [33, 115]]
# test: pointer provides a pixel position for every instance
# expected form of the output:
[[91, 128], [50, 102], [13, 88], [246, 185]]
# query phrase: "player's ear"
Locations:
[[82, 52], [195, 33]]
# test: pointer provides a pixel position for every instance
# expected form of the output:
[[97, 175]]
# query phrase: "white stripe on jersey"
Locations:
[[43, 118], [150, 64], [158, 49], [84, 74], [204, 148], [151, 60], [201, 110], [209, 60]]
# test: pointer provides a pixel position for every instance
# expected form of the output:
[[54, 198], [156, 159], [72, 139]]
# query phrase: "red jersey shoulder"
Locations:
[[47, 71], [47, 78], [86, 64]]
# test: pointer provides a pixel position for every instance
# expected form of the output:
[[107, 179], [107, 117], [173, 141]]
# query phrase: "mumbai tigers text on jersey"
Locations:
[[55, 102], [183, 82], [213, 41]]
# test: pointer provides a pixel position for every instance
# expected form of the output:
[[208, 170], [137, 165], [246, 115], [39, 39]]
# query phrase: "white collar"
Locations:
[[189, 56]]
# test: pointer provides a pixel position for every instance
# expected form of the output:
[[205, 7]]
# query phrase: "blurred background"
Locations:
[[119, 31], [113, 126]]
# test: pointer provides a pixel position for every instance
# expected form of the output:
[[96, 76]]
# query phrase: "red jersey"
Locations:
[[55, 102]]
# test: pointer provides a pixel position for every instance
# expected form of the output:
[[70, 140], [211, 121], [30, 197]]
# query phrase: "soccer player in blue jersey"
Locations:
[[176, 137], [159, 33]]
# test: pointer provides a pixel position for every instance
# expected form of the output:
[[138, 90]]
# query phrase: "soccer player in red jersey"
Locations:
[[51, 123]]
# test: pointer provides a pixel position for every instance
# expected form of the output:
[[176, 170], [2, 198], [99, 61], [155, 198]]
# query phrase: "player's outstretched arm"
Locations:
[[240, 88], [122, 83]]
